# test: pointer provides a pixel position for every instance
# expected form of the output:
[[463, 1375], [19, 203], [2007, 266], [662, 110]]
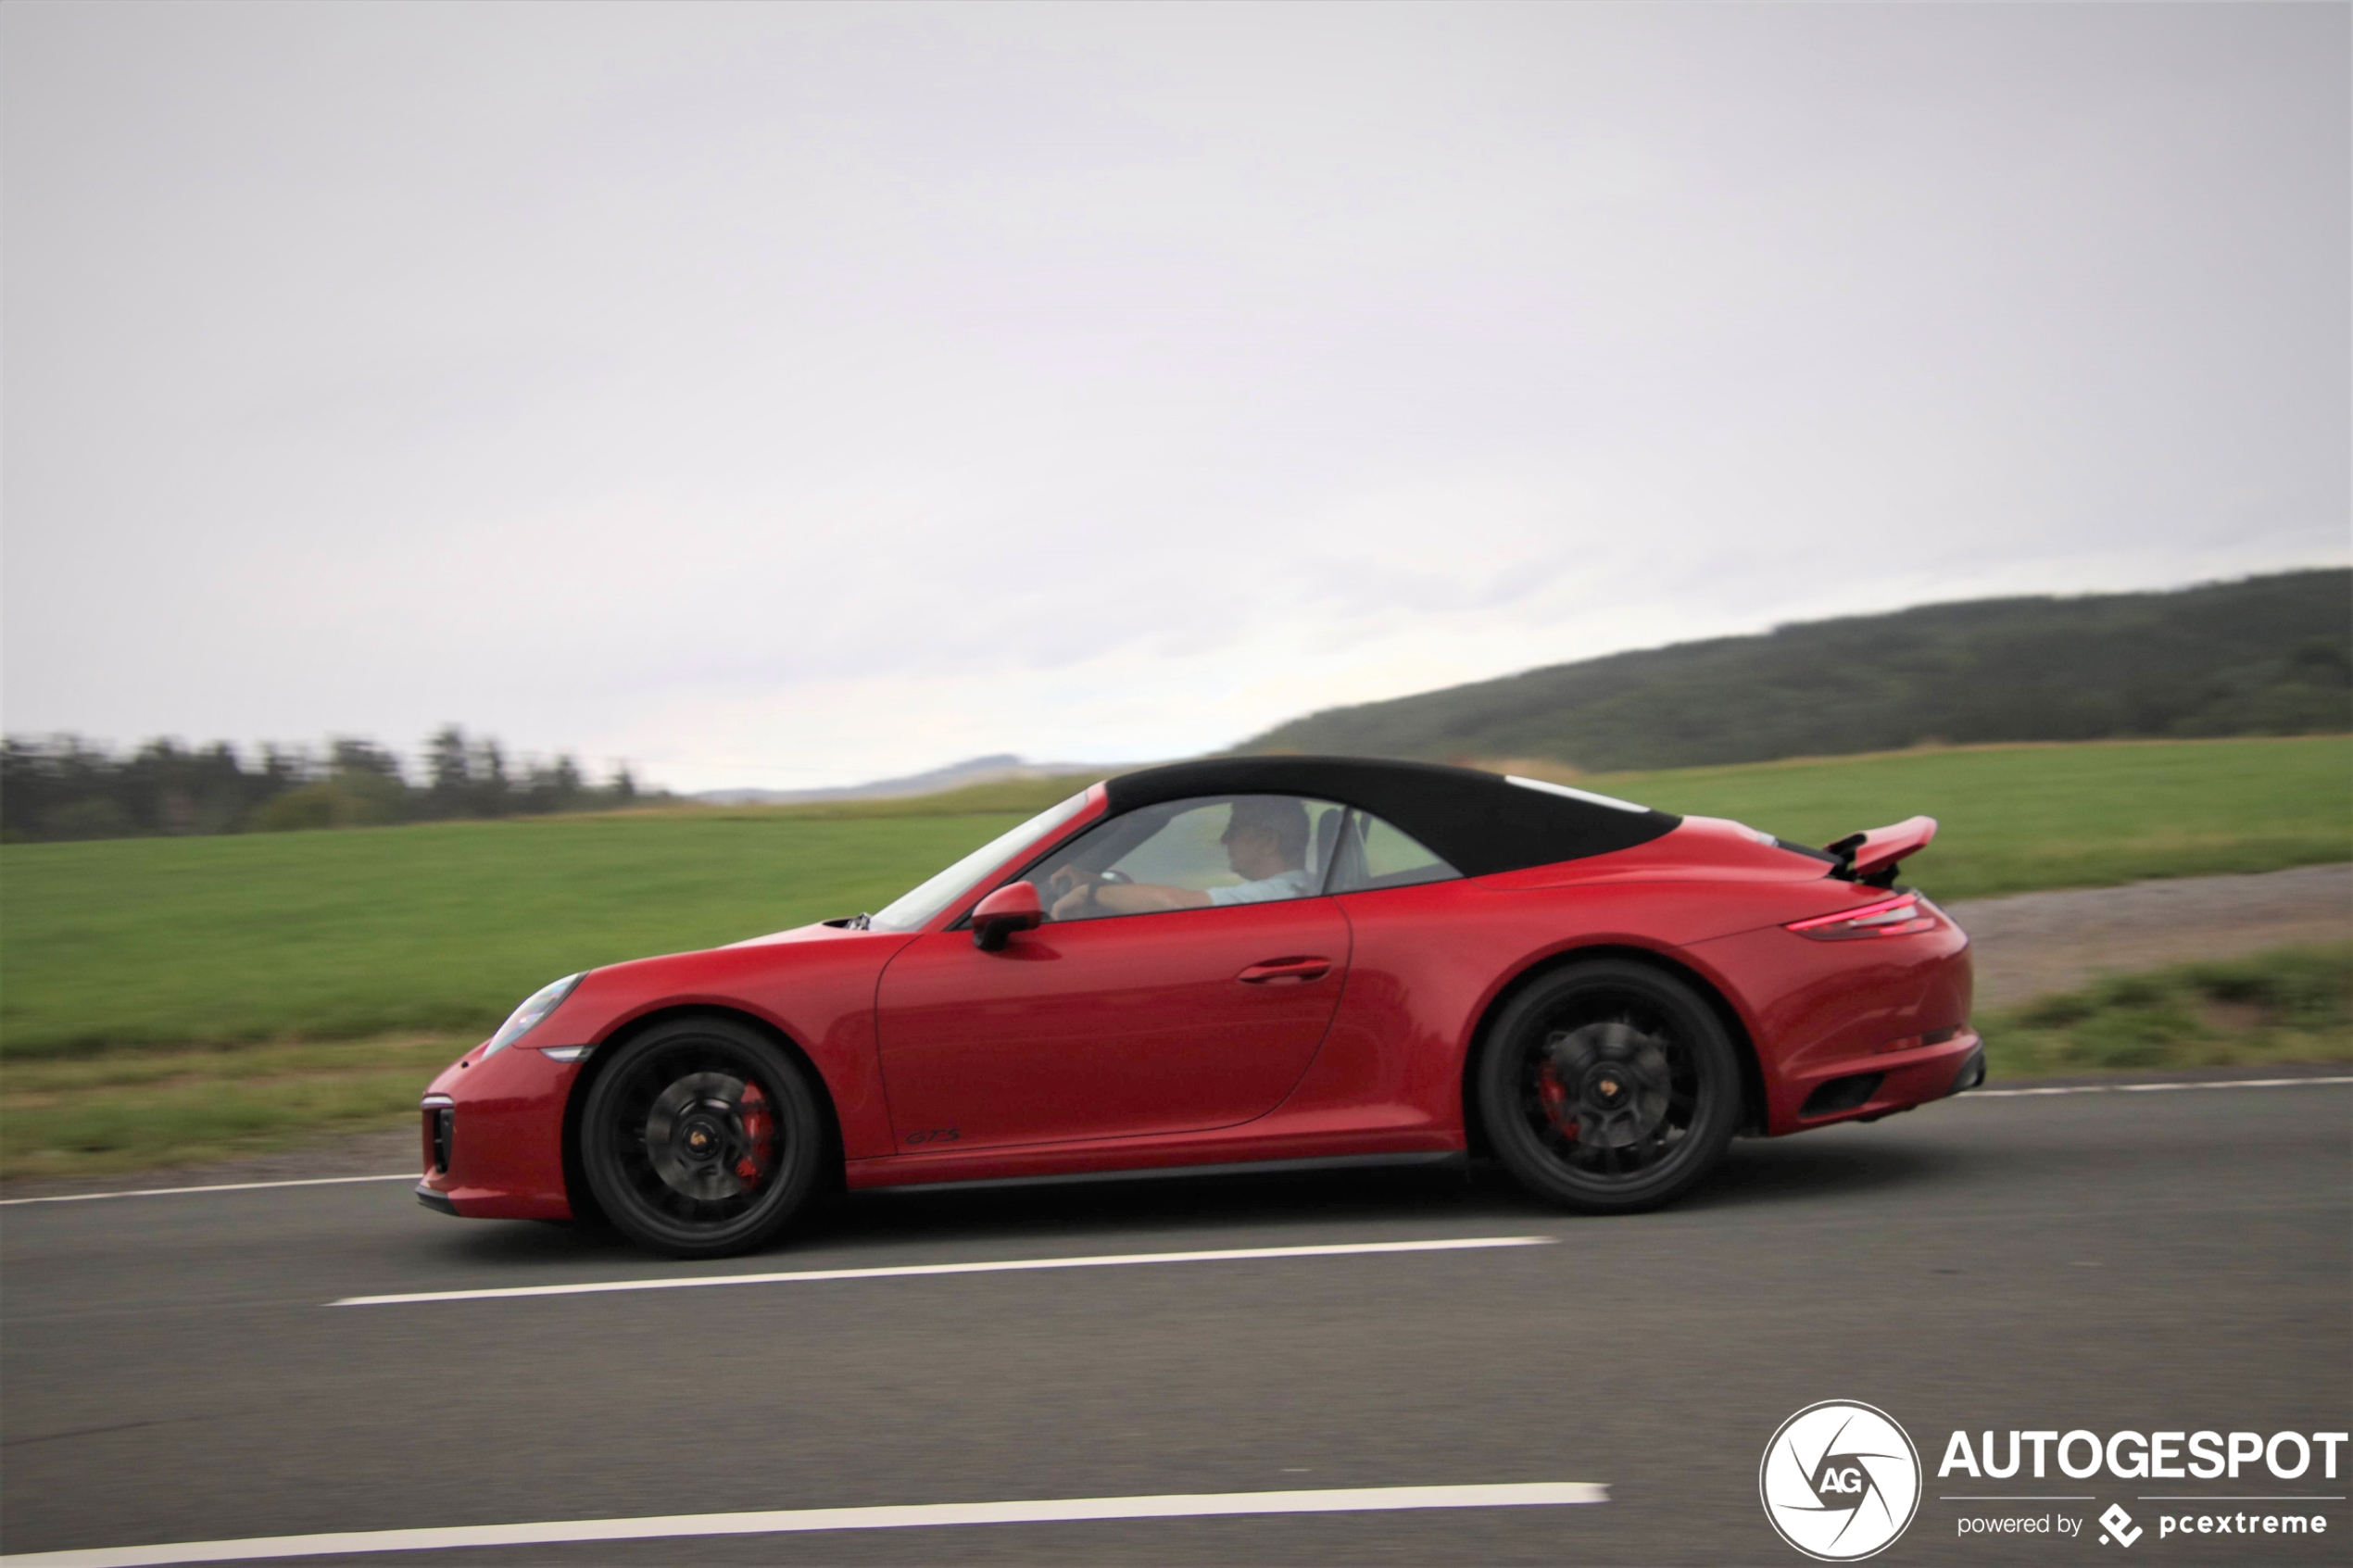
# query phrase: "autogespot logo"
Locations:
[[1840, 1480]]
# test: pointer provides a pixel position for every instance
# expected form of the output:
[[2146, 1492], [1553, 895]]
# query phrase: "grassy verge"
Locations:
[[2291, 1004], [138, 1110]]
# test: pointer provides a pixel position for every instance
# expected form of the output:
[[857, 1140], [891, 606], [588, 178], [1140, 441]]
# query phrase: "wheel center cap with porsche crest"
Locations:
[[1840, 1480]]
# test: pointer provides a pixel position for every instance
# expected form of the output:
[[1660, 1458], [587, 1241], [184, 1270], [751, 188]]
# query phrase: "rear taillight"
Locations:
[[1906, 914]]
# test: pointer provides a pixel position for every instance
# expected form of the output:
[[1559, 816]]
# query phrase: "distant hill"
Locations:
[[2266, 656], [956, 776]]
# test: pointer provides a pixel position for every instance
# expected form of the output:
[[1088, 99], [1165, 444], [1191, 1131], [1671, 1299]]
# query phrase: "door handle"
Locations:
[[1300, 969]]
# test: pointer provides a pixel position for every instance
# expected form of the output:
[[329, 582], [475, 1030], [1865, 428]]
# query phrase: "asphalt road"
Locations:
[[172, 1371]]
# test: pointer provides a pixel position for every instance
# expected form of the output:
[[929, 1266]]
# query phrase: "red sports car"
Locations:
[[1240, 961]]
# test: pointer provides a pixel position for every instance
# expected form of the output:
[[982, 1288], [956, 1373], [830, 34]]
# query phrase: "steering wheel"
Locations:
[[1089, 880]]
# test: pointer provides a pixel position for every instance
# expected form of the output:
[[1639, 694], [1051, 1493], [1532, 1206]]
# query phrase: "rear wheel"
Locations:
[[702, 1139], [1609, 1086]]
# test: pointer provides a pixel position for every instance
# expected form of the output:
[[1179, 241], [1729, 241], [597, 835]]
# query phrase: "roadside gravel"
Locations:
[[2034, 943]]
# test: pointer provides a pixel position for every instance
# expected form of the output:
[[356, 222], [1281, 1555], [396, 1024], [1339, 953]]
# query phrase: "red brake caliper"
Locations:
[[1556, 1101], [759, 1125]]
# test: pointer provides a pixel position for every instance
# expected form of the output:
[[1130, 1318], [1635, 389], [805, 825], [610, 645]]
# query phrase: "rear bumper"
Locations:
[[1865, 1088], [1971, 1074], [1848, 1030]]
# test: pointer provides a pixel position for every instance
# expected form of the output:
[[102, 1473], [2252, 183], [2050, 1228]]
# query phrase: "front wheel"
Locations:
[[702, 1139], [1609, 1086]]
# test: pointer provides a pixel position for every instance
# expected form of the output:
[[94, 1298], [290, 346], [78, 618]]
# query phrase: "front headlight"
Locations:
[[524, 1019]]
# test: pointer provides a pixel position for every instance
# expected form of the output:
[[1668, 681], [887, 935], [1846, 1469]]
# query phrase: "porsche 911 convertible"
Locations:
[[1244, 962]]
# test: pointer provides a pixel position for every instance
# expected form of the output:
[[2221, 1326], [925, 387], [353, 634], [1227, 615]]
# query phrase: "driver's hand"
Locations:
[[1067, 885]]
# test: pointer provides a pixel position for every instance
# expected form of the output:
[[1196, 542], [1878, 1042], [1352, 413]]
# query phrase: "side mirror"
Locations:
[[1011, 907]]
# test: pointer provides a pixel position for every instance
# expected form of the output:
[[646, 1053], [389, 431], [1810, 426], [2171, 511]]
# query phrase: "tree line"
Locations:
[[65, 787]]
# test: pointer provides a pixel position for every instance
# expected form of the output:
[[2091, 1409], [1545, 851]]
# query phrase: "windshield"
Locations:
[[914, 910]]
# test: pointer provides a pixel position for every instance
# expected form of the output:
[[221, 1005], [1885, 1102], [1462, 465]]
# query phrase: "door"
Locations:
[[1186, 985]]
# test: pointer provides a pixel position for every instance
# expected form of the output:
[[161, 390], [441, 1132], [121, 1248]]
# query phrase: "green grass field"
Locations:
[[168, 999], [2016, 818], [443, 927]]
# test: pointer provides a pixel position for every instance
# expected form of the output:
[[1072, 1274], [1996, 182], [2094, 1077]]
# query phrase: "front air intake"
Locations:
[[441, 1129]]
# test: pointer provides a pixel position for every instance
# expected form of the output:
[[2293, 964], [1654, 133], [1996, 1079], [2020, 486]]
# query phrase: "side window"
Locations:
[[1373, 854], [1193, 854]]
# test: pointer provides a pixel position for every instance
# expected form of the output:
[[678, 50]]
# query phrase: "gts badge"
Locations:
[[935, 1135]]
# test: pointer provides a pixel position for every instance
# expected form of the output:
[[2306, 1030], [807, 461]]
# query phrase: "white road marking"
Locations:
[[2148, 1088], [1005, 1265], [1198, 1505], [223, 1187]]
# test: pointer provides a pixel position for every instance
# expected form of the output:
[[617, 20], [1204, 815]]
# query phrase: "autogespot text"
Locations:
[[2154, 1456]]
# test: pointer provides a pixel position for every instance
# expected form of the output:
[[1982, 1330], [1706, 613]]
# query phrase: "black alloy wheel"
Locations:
[[1609, 1086], [702, 1139]]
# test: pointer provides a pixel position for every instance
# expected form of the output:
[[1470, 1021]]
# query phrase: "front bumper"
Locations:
[[493, 1137]]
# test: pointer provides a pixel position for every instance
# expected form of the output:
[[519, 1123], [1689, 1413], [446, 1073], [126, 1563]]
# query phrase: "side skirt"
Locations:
[[1456, 1159]]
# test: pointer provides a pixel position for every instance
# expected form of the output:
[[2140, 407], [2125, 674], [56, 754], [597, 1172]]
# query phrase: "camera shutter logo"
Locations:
[[1840, 1480]]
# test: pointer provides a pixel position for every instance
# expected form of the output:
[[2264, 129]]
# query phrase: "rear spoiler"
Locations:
[[1870, 858]]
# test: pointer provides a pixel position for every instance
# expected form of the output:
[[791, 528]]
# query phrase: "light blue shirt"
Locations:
[[1298, 883]]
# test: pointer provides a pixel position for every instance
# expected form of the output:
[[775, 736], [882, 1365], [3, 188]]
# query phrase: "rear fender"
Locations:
[[1753, 1100]]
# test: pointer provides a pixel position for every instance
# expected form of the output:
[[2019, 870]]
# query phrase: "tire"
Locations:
[[1609, 1088], [702, 1139]]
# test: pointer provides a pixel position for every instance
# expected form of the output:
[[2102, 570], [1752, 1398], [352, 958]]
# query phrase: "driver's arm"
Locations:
[[1137, 897], [1087, 895]]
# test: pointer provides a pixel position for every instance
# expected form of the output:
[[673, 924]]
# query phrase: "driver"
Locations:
[[1265, 841]]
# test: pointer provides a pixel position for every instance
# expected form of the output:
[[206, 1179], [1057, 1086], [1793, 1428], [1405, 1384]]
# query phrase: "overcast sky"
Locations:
[[790, 396]]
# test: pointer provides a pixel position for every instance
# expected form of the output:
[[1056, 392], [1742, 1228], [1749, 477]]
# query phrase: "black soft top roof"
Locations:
[[1477, 822]]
